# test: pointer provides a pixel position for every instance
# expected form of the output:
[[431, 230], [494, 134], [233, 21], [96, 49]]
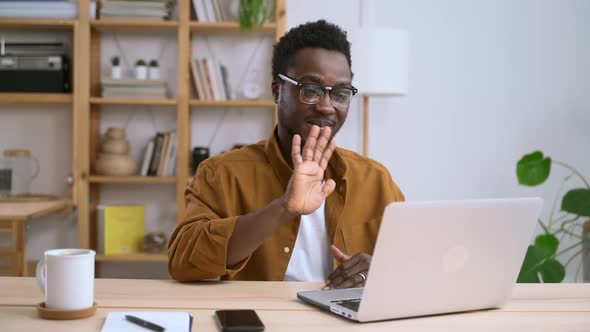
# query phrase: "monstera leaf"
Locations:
[[533, 169]]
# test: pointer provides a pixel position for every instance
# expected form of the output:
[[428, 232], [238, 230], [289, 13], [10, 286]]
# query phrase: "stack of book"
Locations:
[[210, 78], [138, 9], [39, 9], [210, 11], [159, 158], [133, 88]]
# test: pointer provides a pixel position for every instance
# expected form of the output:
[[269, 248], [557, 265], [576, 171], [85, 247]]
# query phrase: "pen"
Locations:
[[144, 323]]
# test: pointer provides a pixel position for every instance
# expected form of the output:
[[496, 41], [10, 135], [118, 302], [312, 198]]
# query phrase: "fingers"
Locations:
[[337, 253], [312, 137], [354, 281], [327, 154], [347, 274], [296, 150], [321, 144], [328, 187]]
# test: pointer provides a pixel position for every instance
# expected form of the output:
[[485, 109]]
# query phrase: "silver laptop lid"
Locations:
[[447, 256]]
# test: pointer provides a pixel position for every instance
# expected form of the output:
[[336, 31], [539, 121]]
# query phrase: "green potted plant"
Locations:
[[542, 263], [154, 70], [116, 71], [254, 13], [140, 69]]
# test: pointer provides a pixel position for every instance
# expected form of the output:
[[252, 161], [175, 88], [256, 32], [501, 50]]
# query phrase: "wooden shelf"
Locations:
[[229, 28], [36, 24], [132, 258], [233, 103], [35, 98], [142, 25], [132, 179], [133, 101]]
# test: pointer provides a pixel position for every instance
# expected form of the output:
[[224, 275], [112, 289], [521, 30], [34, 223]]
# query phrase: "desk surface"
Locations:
[[557, 307], [22, 211]]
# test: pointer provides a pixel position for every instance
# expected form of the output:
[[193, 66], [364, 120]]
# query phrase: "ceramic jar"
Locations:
[[114, 159]]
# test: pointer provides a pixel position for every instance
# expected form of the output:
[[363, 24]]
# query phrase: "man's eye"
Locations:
[[311, 92], [340, 95]]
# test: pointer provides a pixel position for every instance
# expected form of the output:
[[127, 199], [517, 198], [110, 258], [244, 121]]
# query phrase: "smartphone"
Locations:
[[239, 320]]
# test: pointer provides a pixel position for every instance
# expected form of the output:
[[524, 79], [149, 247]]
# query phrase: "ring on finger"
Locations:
[[362, 276]]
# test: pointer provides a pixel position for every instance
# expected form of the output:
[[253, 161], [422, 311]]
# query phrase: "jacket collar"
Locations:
[[336, 166]]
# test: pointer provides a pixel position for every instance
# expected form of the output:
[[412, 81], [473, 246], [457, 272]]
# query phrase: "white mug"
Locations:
[[66, 276]]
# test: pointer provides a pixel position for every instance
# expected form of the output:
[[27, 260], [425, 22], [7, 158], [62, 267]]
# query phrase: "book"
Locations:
[[200, 12], [208, 73], [203, 79], [173, 321], [168, 152], [163, 153], [147, 157], [159, 141], [199, 93], [124, 228], [226, 86], [219, 89], [171, 166]]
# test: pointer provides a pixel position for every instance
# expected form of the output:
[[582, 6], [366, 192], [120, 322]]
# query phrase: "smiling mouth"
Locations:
[[321, 124]]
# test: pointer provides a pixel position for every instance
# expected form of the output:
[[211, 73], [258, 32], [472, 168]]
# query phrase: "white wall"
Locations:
[[489, 81]]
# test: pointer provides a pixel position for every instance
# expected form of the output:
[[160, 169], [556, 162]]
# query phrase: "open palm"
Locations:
[[307, 189]]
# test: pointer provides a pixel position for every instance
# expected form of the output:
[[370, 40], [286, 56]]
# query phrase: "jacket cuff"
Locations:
[[215, 237]]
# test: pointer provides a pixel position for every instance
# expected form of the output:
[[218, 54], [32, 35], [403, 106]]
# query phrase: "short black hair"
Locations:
[[320, 34]]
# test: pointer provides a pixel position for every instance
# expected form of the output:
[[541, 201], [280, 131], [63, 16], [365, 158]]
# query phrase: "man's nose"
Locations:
[[325, 104]]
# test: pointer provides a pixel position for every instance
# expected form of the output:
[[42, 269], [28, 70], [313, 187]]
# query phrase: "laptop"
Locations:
[[439, 257]]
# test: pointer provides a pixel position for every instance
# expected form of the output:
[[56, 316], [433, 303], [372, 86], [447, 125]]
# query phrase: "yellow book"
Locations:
[[124, 228]]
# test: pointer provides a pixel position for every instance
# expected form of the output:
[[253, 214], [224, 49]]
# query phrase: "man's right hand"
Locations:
[[307, 189]]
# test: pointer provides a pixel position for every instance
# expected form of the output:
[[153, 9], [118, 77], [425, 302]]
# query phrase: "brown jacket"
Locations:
[[239, 182]]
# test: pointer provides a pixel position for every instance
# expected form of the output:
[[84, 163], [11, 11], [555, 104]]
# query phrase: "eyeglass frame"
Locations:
[[299, 85]]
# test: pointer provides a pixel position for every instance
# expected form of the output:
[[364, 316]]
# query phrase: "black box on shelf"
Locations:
[[35, 73]]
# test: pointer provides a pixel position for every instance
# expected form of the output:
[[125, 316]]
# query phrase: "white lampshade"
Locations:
[[380, 61]]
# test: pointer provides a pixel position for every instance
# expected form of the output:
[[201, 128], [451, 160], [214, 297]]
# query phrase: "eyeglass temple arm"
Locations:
[[285, 78]]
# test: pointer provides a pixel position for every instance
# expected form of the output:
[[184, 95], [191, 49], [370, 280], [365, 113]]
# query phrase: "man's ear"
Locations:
[[275, 91]]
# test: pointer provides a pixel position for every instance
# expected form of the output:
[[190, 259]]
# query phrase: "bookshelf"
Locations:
[[35, 98], [91, 105], [132, 101], [37, 24]]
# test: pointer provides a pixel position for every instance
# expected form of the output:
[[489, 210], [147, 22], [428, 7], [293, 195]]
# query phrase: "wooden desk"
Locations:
[[561, 307], [13, 216]]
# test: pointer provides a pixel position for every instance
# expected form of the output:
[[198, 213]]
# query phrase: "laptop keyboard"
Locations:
[[352, 304]]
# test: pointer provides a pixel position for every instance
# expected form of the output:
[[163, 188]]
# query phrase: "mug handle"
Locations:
[[37, 167], [42, 273]]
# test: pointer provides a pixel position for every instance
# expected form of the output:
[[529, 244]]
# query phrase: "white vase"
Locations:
[[154, 73], [116, 72], [141, 72]]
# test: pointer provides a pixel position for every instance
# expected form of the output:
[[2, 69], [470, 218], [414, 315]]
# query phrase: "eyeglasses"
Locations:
[[312, 93]]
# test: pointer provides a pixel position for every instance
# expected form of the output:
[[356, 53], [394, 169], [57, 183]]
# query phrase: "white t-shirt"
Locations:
[[311, 259]]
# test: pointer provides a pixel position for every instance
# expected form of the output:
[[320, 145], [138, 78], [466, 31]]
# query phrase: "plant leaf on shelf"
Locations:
[[548, 243], [533, 169], [577, 201]]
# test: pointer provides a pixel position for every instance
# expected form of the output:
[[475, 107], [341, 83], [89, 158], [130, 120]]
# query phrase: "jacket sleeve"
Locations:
[[198, 246]]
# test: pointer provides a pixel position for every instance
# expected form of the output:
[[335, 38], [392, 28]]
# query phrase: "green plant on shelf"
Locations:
[[254, 13], [115, 61], [541, 263]]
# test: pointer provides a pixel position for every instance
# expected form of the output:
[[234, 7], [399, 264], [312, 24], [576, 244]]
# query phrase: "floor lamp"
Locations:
[[380, 67]]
